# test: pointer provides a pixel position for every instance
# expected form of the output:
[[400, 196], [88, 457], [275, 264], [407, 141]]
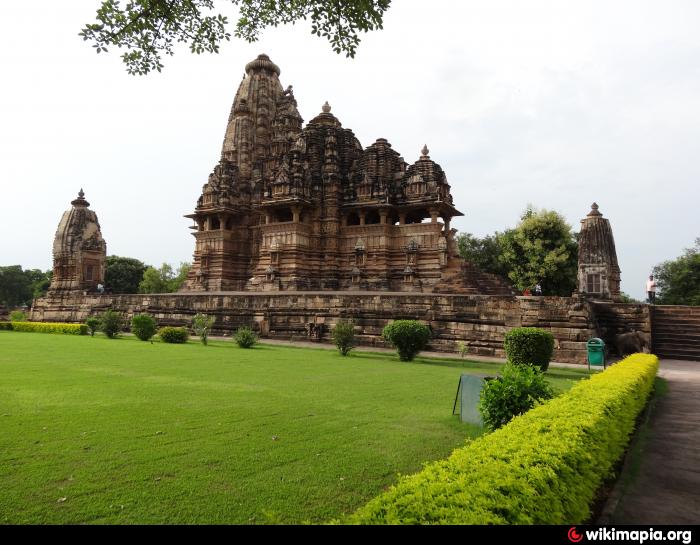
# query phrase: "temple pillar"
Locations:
[[296, 213], [362, 214], [402, 218], [383, 215], [434, 215]]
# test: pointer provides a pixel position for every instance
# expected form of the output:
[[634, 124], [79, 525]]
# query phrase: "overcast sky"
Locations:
[[553, 103]]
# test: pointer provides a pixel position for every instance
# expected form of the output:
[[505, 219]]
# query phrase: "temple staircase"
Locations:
[[464, 278], [676, 332]]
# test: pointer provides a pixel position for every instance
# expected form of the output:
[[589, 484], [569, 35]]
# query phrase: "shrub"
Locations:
[[93, 324], [143, 326], [18, 316], [245, 338], [409, 337], [518, 390], [529, 346], [111, 323], [543, 467], [344, 337], [46, 327], [174, 335], [462, 348], [202, 325]]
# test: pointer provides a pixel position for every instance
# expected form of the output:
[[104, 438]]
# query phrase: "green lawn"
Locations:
[[94, 430]]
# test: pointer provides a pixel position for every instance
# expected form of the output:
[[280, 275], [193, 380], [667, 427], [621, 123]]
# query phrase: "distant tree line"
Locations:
[[19, 287], [678, 280]]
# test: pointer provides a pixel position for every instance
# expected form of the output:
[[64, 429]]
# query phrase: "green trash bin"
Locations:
[[596, 352]]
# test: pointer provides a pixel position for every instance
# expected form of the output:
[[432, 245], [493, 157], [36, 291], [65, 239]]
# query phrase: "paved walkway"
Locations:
[[663, 486]]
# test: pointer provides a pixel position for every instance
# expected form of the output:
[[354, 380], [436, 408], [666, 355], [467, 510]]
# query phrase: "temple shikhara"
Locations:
[[290, 207], [79, 250]]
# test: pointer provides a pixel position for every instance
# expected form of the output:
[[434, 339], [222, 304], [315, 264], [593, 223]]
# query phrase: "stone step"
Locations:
[[677, 335], [678, 354]]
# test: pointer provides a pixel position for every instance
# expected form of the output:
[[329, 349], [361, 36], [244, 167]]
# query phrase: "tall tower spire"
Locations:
[[259, 101]]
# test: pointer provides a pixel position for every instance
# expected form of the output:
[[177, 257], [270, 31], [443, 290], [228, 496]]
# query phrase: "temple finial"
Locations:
[[326, 108], [425, 151], [81, 193], [594, 210]]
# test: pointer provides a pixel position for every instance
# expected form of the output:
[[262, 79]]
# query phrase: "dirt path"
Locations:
[[661, 481]]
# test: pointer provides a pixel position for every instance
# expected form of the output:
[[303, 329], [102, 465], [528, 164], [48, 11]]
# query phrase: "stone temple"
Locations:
[[300, 227], [78, 250], [294, 208]]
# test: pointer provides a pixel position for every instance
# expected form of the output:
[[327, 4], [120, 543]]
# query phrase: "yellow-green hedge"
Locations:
[[543, 467], [46, 327]]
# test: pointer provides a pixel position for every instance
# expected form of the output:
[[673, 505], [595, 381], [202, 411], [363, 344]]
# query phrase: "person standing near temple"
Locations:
[[538, 289], [651, 289]]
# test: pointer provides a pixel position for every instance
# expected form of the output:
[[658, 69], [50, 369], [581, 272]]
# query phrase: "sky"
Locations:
[[550, 103]]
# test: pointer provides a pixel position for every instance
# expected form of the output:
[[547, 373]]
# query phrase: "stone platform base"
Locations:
[[481, 321]]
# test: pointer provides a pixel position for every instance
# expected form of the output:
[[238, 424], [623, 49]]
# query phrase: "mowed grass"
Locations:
[[120, 431]]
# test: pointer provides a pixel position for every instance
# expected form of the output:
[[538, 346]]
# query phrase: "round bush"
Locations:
[[245, 338], [175, 335], [143, 326], [409, 337], [529, 346], [93, 325], [111, 323], [518, 390], [344, 337]]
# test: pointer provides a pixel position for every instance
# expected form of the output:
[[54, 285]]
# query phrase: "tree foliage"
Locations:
[[123, 274], [678, 280], [163, 279], [149, 29], [541, 249], [18, 287]]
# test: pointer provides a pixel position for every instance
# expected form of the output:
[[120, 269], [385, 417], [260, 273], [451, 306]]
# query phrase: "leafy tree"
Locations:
[[15, 287], [39, 281], [164, 279], [150, 28], [485, 252], [541, 249], [180, 276], [123, 274], [678, 280]]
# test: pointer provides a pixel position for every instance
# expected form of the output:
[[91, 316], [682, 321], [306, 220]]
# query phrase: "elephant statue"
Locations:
[[631, 343]]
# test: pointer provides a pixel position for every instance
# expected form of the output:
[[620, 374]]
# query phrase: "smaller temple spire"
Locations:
[[326, 108]]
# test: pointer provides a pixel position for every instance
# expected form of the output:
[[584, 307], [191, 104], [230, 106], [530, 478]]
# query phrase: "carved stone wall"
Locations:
[[480, 321]]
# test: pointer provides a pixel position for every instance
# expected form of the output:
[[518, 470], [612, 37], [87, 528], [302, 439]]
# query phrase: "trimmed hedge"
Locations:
[[409, 337], [175, 335], [45, 327], [543, 467], [529, 346]]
